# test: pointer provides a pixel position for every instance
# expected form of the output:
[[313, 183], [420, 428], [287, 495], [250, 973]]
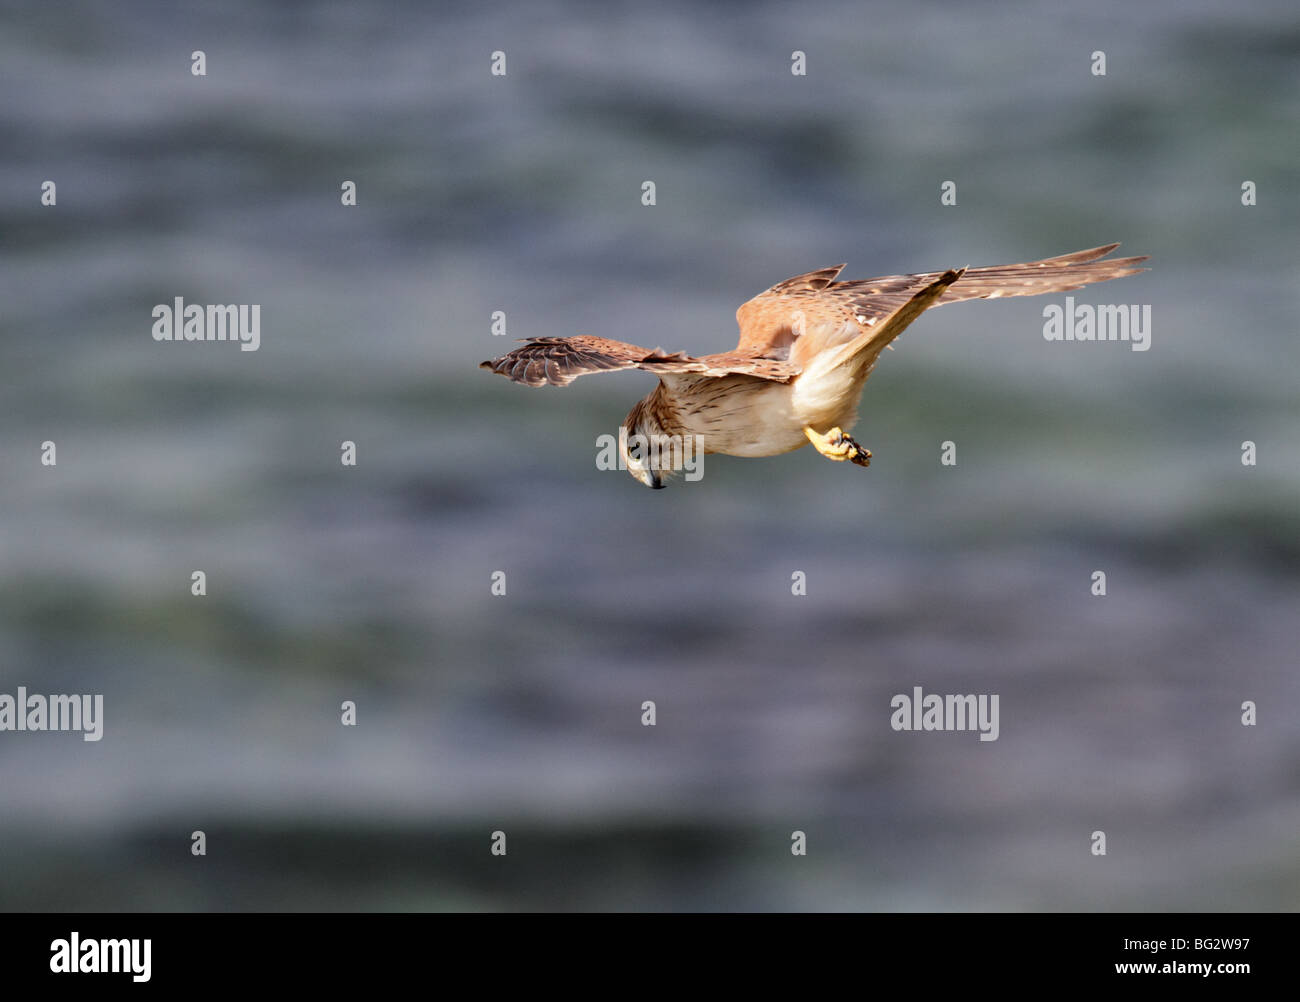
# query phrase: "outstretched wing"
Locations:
[[558, 361], [829, 313]]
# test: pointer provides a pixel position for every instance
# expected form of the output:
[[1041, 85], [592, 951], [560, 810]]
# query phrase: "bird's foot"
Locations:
[[837, 445]]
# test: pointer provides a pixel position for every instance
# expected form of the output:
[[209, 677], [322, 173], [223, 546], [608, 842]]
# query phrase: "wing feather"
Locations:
[[558, 361], [802, 320], [803, 316]]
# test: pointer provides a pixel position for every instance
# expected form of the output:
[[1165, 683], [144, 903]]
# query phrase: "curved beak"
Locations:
[[653, 481]]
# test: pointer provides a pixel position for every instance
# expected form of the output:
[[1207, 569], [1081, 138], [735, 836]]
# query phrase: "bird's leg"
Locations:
[[836, 445]]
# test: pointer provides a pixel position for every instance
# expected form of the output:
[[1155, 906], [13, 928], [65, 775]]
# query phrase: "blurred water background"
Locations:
[[522, 713]]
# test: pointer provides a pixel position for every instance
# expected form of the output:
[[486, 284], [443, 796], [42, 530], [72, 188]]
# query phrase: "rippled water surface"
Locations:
[[522, 713]]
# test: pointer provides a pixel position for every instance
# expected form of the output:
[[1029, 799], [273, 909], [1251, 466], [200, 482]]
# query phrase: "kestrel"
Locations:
[[806, 348]]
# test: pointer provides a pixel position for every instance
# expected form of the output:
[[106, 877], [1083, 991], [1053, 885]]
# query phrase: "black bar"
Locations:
[[334, 952]]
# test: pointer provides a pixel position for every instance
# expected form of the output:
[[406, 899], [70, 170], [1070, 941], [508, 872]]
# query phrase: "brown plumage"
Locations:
[[558, 361], [806, 347]]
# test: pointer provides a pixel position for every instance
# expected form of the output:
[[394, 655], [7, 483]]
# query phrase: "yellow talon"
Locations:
[[836, 445]]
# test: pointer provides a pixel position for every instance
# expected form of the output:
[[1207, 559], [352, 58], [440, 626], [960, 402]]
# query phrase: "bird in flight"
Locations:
[[806, 347]]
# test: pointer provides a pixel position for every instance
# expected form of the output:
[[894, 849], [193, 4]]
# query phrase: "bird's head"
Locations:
[[637, 439]]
